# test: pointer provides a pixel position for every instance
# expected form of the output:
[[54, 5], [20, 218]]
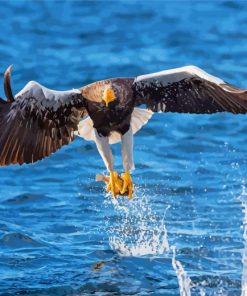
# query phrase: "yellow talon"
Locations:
[[114, 184], [127, 184]]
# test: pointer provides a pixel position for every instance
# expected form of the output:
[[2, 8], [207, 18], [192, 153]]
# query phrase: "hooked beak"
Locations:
[[109, 96], [7, 85]]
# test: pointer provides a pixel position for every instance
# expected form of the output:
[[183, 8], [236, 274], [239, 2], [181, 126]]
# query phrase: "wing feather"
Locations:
[[38, 123], [188, 90]]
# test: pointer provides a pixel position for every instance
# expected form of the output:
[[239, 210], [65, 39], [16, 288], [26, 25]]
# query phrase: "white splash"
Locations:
[[183, 279], [243, 199], [139, 231], [202, 292], [144, 243]]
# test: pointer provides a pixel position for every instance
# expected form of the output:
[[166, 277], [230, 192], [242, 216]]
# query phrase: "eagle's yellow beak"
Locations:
[[109, 96]]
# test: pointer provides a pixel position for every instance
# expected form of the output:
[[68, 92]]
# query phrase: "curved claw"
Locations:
[[127, 184], [114, 184]]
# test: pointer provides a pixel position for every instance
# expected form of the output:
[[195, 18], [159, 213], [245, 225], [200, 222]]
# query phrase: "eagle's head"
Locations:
[[108, 91]]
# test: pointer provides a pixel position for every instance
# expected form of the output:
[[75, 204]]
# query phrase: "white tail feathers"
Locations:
[[139, 117], [85, 129]]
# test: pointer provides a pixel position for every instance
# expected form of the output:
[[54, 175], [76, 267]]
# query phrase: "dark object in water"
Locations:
[[98, 265]]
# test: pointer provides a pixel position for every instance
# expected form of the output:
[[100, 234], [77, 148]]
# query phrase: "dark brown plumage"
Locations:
[[115, 117], [190, 95], [38, 121], [31, 129], [30, 134], [33, 126]]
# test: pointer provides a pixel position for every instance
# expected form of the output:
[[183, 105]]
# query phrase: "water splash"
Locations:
[[243, 199], [202, 292], [183, 279], [138, 231]]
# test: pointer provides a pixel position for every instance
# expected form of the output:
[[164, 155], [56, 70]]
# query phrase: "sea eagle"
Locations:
[[38, 121]]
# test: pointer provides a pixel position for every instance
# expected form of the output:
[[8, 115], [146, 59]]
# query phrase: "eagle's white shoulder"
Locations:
[[178, 74]]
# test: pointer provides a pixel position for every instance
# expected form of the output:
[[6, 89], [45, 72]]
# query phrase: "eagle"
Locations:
[[38, 121]]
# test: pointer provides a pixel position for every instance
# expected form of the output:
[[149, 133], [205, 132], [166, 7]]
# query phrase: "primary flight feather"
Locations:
[[37, 121]]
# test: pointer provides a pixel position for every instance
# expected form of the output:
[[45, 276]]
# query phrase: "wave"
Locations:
[[18, 240], [26, 198]]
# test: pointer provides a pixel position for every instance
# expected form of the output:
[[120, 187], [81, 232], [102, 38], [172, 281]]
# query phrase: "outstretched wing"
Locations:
[[188, 90], [37, 122]]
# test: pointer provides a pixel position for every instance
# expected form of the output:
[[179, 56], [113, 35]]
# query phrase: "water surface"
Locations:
[[184, 231]]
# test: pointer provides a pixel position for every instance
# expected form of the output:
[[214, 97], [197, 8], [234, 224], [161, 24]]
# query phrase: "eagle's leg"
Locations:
[[127, 155], [104, 149]]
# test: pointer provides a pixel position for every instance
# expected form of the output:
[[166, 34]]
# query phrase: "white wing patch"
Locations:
[[48, 97], [177, 74], [138, 119], [203, 74]]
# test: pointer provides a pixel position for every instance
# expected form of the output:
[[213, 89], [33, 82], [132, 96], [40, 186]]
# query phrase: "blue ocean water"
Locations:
[[184, 232]]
